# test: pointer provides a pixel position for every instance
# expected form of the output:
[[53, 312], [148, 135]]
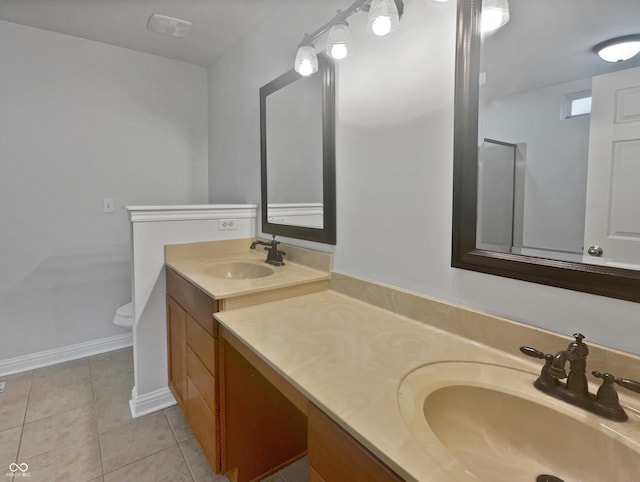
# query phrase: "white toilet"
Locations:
[[124, 316]]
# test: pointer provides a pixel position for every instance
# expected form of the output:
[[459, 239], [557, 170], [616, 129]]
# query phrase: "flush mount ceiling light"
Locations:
[[168, 25], [495, 14], [384, 16], [618, 49]]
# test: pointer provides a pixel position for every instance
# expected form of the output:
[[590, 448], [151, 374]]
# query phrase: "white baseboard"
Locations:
[[150, 402], [63, 354]]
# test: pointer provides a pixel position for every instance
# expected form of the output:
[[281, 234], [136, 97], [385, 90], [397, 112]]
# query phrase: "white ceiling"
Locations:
[[217, 24], [546, 41], [549, 41]]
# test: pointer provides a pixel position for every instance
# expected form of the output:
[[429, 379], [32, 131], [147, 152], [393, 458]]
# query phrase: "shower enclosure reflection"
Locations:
[[499, 220]]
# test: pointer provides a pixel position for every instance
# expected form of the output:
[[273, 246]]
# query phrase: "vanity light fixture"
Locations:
[[618, 49], [339, 41], [495, 14], [384, 17], [306, 60]]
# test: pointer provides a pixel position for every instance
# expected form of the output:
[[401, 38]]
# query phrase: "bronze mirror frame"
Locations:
[[327, 234], [601, 280]]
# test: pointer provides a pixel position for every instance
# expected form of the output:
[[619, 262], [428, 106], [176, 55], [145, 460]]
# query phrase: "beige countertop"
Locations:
[[353, 359], [349, 358], [197, 260]]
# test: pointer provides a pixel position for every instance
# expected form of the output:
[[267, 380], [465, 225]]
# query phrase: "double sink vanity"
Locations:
[[372, 383]]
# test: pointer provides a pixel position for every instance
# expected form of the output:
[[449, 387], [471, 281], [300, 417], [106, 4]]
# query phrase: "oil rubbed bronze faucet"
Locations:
[[576, 354], [576, 390], [274, 255]]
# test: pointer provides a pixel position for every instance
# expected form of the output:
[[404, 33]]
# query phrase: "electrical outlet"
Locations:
[[107, 205], [226, 224], [2, 385]]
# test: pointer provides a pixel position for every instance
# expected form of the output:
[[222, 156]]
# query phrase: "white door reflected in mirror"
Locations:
[[612, 220]]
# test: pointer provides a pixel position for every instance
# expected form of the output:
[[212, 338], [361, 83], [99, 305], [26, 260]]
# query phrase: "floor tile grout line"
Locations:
[[95, 419], [175, 437], [24, 417], [186, 462], [142, 458]]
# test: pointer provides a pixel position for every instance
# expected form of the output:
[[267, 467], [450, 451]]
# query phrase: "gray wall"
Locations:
[[294, 142], [556, 166], [81, 121], [394, 166], [234, 83]]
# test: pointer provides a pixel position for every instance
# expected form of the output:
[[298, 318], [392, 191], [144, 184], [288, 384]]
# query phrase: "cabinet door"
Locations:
[[262, 431], [335, 455], [177, 346]]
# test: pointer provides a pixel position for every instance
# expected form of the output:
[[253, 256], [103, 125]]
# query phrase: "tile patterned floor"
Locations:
[[71, 422]]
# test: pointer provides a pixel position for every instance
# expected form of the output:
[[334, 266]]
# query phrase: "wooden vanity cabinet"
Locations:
[[336, 455], [192, 340], [250, 421], [262, 430]]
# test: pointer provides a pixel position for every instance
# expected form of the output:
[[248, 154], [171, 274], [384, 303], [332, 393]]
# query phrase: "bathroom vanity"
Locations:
[[234, 411], [375, 383]]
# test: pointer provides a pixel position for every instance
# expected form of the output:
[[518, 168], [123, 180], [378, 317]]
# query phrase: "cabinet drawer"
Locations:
[[196, 302], [204, 424], [202, 344], [202, 379], [335, 455]]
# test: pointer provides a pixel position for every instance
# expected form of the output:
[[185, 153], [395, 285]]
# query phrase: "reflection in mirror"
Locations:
[[547, 143], [294, 153], [297, 134], [555, 106]]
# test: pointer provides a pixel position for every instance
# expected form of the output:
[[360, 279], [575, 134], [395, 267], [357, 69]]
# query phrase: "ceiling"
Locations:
[[547, 42], [217, 24]]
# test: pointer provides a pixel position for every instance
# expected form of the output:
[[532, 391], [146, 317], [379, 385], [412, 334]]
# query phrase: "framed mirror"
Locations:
[[547, 147], [297, 149]]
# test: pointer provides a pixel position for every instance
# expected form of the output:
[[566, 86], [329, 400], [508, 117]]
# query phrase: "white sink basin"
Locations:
[[489, 423], [238, 270]]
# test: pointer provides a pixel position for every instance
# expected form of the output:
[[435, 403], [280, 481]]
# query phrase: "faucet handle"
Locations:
[[534, 353], [623, 382]]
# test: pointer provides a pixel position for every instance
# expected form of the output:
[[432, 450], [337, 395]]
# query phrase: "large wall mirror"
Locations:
[[547, 146], [297, 136]]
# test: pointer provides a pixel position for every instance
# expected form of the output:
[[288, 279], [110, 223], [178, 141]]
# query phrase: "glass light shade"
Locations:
[[383, 17], [306, 62], [618, 50], [495, 14], [339, 41]]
